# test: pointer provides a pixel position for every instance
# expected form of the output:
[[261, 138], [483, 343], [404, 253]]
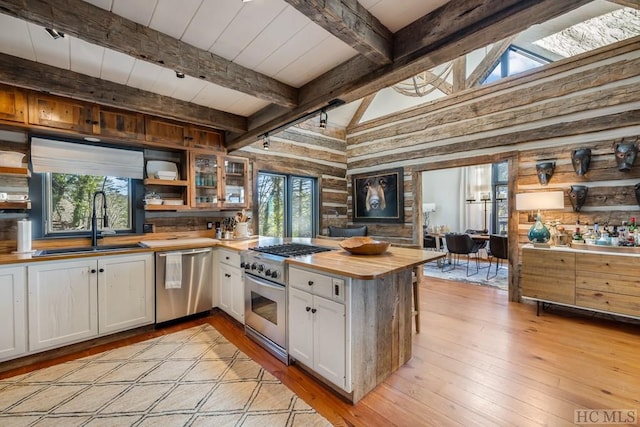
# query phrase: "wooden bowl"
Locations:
[[364, 246]]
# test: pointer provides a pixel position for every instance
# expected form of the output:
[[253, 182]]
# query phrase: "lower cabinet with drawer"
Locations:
[[231, 286], [595, 281], [317, 324]]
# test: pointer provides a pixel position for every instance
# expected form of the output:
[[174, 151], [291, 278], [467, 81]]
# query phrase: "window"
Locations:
[[66, 177], [514, 61], [69, 204], [287, 205]]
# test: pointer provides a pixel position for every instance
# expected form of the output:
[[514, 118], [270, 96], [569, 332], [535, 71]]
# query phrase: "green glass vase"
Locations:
[[538, 233]]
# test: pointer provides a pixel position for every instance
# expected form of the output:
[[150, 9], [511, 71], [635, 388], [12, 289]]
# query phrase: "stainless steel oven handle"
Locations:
[[190, 252], [265, 283]]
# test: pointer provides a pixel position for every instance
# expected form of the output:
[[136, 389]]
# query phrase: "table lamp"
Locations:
[[538, 234]]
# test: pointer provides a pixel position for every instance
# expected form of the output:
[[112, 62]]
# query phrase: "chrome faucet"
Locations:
[[94, 218]]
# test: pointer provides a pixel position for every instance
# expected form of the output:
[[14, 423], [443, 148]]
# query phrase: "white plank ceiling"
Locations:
[[268, 36]]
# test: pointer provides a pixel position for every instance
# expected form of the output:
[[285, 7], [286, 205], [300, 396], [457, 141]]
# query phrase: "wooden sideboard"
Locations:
[[598, 281]]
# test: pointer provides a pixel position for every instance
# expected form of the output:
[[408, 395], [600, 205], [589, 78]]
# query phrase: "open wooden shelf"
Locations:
[[175, 183], [22, 204], [166, 207], [14, 171]]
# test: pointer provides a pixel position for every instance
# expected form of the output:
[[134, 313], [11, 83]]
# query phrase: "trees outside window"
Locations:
[[70, 202], [287, 205]]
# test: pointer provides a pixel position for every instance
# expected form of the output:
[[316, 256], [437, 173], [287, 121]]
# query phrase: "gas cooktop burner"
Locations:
[[288, 250]]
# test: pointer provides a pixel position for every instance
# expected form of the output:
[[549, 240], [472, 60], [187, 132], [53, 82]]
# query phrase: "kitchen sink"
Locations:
[[86, 249]]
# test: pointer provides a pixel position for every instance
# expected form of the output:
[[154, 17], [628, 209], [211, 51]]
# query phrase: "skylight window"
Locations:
[[593, 33]]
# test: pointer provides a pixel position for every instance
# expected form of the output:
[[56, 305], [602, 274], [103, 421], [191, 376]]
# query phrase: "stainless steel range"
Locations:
[[265, 294]]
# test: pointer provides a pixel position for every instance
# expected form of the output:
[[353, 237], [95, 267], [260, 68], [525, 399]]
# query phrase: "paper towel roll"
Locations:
[[24, 236]]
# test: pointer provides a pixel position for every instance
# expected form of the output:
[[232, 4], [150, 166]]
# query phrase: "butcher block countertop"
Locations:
[[341, 262], [337, 261]]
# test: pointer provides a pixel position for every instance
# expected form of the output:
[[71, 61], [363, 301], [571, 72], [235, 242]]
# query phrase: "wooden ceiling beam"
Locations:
[[56, 81], [354, 79], [100, 27], [353, 24]]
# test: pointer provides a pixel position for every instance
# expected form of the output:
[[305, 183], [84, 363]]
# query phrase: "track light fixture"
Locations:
[[266, 141], [323, 119], [55, 33]]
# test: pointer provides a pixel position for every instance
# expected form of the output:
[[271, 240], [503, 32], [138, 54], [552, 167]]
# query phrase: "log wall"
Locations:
[[588, 101]]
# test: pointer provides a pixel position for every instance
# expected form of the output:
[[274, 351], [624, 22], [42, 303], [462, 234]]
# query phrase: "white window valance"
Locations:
[[48, 155]]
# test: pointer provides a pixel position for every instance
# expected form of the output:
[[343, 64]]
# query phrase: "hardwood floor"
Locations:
[[479, 360]]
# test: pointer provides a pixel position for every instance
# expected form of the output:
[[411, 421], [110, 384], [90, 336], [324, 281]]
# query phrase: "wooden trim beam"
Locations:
[[484, 67], [460, 74], [358, 77], [362, 108], [353, 24], [46, 78], [627, 3], [100, 27]]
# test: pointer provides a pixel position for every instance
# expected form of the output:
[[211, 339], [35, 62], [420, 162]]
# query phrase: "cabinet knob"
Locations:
[[308, 308], [310, 282], [93, 271], [101, 270], [313, 310]]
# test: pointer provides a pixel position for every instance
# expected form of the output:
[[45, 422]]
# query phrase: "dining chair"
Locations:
[[461, 244], [498, 249], [347, 231]]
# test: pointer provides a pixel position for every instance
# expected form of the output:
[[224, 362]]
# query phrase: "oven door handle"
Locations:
[[265, 283]]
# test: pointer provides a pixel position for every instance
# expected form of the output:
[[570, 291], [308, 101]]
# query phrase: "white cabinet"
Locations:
[[317, 324], [63, 302], [74, 300], [13, 288], [125, 292], [231, 298]]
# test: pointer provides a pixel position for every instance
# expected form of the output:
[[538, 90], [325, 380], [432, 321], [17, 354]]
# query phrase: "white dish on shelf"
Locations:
[[155, 166], [11, 159], [153, 201], [173, 202], [168, 175]]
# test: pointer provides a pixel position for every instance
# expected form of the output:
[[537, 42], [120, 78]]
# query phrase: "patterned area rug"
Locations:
[[194, 377], [459, 274]]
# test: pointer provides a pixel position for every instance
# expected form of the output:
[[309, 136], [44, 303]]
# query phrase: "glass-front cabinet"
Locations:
[[235, 182], [218, 182], [205, 180]]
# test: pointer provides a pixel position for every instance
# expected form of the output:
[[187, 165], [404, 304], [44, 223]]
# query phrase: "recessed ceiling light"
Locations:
[[91, 139], [179, 75]]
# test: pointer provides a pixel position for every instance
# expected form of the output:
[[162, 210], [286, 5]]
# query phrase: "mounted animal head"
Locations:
[[581, 158], [578, 195], [545, 171], [375, 200], [626, 153]]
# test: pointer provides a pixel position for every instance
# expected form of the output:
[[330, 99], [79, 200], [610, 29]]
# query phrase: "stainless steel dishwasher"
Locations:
[[179, 295]]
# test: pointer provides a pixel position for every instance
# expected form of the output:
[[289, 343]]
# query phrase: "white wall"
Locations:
[[442, 187]]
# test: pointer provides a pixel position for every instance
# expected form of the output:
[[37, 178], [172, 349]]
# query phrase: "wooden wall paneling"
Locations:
[[505, 102], [547, 72], [506, 139]]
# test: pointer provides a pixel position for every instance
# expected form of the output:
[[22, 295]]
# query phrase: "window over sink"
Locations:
[[66, 177]]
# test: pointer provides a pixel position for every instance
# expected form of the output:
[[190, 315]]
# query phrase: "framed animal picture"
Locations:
[[378, 196]]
